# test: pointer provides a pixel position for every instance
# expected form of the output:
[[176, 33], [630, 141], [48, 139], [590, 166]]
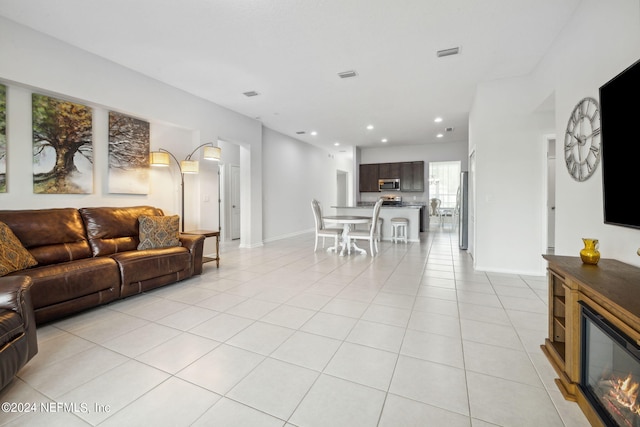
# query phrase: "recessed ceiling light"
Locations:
[[384, 140], [439, 135], [336, 143], [347, 74], [250, 93], [314, 133], [448, 52], [437, 119], [369, 127]]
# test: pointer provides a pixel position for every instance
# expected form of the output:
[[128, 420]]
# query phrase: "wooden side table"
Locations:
[[209, 233]]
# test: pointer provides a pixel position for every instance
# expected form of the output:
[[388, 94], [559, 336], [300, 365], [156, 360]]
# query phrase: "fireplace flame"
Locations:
[[625, 392]]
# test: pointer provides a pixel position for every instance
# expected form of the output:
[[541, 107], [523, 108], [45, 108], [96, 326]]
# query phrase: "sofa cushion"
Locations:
[[53, 284], [159, 231], [146, 269], [18, 337], [13, 256], [51, 235], [11, 326], [112, 230]]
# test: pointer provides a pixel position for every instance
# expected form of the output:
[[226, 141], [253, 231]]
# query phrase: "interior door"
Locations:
[[551, 195], [235, 202], [341, 188]]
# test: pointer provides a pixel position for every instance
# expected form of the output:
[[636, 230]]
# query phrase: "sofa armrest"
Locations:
[[15, 295], [195, 244]]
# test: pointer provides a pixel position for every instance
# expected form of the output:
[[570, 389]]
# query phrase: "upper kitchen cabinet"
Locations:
[[389, 171], [369, 177], [412, 176]]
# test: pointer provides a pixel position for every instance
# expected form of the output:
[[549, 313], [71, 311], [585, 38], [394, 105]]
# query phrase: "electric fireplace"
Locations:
[[610, 370]]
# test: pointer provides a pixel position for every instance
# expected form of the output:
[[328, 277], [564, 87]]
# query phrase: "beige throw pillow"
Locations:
[[13, 256], [159, 231]]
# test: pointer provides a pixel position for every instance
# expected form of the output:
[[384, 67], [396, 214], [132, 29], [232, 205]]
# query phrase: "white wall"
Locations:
[[507, 131], [295, 173], [31, 61], [611, 46], [506, 134]]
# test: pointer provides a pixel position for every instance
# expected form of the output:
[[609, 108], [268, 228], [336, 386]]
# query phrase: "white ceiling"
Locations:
[[290, 52]]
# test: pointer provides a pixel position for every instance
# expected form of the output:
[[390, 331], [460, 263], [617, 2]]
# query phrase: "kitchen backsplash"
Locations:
[[406, 197]]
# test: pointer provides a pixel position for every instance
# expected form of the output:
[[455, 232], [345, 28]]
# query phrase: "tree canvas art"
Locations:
[[128, 154], [3, 139], [62, 146]]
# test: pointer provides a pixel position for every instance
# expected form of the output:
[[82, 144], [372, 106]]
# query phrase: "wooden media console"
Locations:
[[612, 290]]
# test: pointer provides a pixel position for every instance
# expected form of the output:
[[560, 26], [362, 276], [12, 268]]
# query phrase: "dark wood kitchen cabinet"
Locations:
[[389, 171], [412, 176], [369, 177]]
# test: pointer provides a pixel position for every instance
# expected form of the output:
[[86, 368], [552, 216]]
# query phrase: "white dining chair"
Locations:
[[372, 234], [321, 230], [379, 228], [435, 208]]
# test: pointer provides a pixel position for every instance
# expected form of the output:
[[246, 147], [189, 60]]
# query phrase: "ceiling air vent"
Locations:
[[347, 74], [448, 52], [301, 132], [250, 93], [449, 129]]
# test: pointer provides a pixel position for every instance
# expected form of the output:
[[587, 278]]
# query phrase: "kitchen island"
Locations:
[[412, 213]]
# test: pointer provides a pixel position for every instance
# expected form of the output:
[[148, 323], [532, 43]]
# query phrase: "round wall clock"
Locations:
[[582, 140]]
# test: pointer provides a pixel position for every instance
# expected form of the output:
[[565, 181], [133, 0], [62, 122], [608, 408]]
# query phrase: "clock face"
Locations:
[[582, 140]]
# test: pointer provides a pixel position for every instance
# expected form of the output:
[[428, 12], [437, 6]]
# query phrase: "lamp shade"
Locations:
[[189, 166], [159, 158], [212, 153]]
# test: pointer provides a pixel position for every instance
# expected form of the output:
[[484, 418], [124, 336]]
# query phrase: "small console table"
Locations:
[[209, 233]]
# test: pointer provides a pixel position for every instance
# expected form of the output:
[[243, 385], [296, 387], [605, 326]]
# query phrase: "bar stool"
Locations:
[[399, 229]]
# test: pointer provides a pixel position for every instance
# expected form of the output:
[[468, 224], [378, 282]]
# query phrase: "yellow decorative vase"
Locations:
[[590, 254]]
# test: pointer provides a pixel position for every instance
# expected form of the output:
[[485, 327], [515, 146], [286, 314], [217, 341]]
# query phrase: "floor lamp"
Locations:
[[220, 202], [163, 157]]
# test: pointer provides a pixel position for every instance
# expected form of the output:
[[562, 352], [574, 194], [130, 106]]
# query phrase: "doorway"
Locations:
[[234, 202], [342, 188], [444, 182], [230, 194], [551, 193]]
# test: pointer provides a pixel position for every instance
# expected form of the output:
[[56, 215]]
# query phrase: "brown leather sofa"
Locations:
[[18, 343], [89, 257]]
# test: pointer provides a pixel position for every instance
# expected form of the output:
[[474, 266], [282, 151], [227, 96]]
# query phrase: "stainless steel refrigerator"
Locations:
[[463, 211]]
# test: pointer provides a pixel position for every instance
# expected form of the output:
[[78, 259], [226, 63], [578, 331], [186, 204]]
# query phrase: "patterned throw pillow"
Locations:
[[159, 231], [13, 256]]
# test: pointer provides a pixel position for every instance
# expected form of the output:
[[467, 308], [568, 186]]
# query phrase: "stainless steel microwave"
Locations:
[[389, 184]]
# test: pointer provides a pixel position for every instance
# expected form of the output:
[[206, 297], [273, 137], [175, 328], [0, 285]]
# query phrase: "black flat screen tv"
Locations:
[[620, 147]]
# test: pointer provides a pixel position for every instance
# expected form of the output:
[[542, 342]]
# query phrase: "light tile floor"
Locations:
[[282, 336]]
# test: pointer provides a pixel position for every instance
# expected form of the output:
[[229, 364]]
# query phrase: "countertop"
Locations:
[[416, 206]]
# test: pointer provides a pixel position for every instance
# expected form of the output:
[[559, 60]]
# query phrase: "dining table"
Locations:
[[347, 221]]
